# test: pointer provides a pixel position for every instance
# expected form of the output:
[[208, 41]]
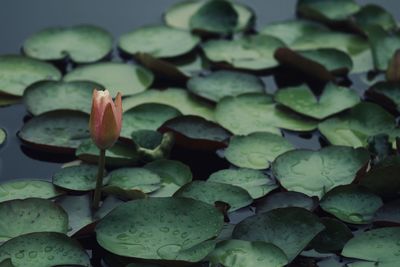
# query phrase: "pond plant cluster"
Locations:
[[272, 204]]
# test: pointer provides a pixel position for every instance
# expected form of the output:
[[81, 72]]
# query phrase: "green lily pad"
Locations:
[[383, 178], [82, 44], [316, 172], [254, 52], [286, 199], [31, 215], [116, 77], [386, 93], [158, 41], [152, 145], [255, 182], [159, 228], [196, 133], [177, 98], [174, 175], [129, 179], [18, 72], [6, 263], [256, 150], [327, 10], [3, 136], [333, 99], [59, 131], [351, 204], [389, 213], [146, 117], [77, 178], [210, 192], [22, 189], [180, 14], [371, 14], [120, 154], [354, 128], [223, 83], [333, 238], [381, 246], [290, 229], [50, 95], [239, 253], [147, 139], [44, 249], [249, 113]]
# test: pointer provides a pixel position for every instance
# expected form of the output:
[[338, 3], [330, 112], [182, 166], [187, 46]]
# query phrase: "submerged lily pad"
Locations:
[[59, 131], [22, 189], [256, 150], [333, 99], [381, 246], [50, 95], [77, 178], [3, 136], [159, 229], [354, 128], [177, 98], [389, 213], [43, 249], [327, 10], [116, 77], [351, 204], [255, 182], [223, 83], [31, 215], [18, 72], [254, 52], [239, 253], [249, 113], [158, 41], [82, 44], [316, 172], [290, 229], [284, 200]]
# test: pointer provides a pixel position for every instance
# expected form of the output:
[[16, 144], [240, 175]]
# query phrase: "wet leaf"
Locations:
[[77, 178], [22, 189], [286, 199]]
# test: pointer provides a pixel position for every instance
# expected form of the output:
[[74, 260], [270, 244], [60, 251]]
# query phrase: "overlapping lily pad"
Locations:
[[315, 172], [327, 10], [59, 131], [116, 77], [82, 44], [333, 99], [77, 178], [284, 200], [50, 95], [158, 41], [249, 113], [160, 228], [386, 93], [44, 249], [31, 215], [22, 189], [371, 14], [18, 72]]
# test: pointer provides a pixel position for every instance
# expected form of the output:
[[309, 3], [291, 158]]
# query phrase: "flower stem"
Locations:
[[99, 180]]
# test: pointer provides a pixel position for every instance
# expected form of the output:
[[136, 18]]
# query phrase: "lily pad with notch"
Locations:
[[22, 189], [18, 72], [81, 44], [315, 172], [286, 199], [333, 99], [116, 77], [77, 178]]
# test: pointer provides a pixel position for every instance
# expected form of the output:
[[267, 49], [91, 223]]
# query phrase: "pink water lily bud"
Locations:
[[105, 119]]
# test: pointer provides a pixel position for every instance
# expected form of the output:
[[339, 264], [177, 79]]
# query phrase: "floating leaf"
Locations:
[[3, 136], [327, 10], [223, 83], [290, 229], [22, 189], [316, 172], [82, 44], [18, 72], [333, 99], [378, 245], [59, 131], [354, 128], [177, 98], [255, 182], [158, 41], [256, 150], [238, 253], [254, 52], [284, 200], [249, 113], [50, 95], [152, 145], [43, 249], [6, 263], [116, 77], [371, 14], [77, 178], [211, 192], [159, 228], [386, 94]]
